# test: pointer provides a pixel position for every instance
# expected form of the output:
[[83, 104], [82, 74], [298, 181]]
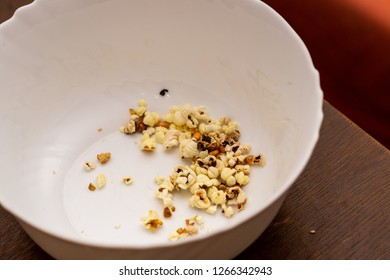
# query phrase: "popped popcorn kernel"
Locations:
[[151, 118], [103, 157], [152, 222], [228, 211], [200, 199], [188, 148], [147, 143]]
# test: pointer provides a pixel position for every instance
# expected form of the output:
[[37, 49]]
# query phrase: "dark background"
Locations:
[[349, 41]]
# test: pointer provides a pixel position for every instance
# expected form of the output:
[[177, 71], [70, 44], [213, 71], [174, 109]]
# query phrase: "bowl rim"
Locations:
[[282, 190]]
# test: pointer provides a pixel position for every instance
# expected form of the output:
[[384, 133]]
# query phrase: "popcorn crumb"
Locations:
[[101, 180], [103, 157], [127, 180], [190, 228], [117, 226], [152, 222], [89, 165], [100, 129], [91, 187]]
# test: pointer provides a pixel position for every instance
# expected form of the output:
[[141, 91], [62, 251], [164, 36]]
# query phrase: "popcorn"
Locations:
[[101, 180], [200, 199], [152, 222], [142, 103], [103, 157], [228, 211], [151, 118], [227, 172], [212, 209], [220, 165], [91, 187], [159, 180], [190, 228], [188, 148], [89, 165], [213, 172], [180, 118], [241, 178], [246, 169], [203, 180], [217, 197], [160, 133], [148, 143], [127, 180]]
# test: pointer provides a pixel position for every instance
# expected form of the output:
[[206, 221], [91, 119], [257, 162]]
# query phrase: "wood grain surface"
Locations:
[[337, 209]]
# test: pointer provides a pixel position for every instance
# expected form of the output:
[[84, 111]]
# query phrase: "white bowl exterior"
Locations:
[[64, 61], [225, 245]]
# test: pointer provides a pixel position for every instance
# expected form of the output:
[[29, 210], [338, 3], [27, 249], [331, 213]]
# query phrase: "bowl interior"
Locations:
[[69, 68]]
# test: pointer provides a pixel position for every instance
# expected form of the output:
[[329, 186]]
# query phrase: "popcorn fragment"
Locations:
[[152, 222], [103, 157], [89, 165], [228, 211], [191, 228], [127, 180], [147, 143], [101, 180], [91, 187], [159, 180]]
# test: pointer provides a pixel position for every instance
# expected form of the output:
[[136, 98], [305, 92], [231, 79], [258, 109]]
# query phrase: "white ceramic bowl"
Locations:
[[70, 67]]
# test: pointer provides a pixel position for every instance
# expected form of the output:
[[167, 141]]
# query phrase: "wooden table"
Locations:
[[339, 208]]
